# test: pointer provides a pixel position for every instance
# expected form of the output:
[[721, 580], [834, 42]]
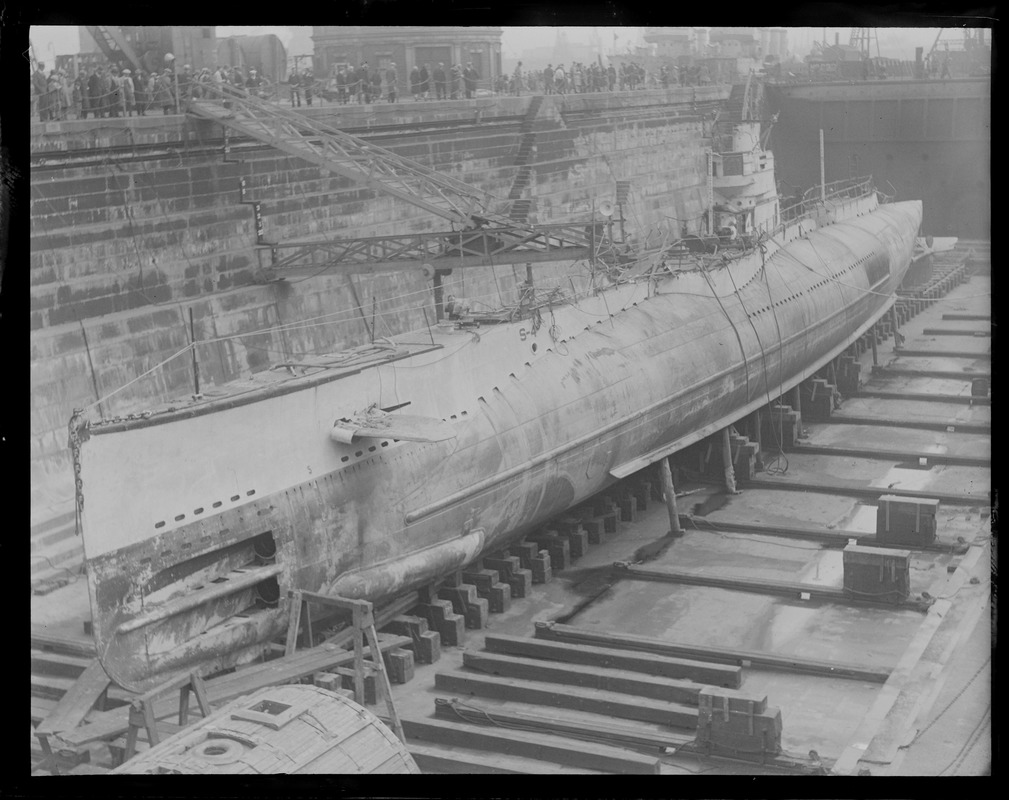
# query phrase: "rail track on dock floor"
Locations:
[[502, 668]]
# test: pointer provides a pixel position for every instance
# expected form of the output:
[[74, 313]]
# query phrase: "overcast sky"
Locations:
[[50, 40]]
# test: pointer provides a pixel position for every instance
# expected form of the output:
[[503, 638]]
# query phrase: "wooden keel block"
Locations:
[[399, 664], [593, 530], [559, 548], [327, 680], [369, 686], [451, 627], [519, 580], [542, 570], [526, 552], [628, 508], [578, 542]]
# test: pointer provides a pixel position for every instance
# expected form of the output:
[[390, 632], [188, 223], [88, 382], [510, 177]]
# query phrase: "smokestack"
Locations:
[[837, 38]]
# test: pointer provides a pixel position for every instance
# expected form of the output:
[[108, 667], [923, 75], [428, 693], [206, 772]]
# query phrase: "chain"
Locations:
[[950, 703], [78, 433]]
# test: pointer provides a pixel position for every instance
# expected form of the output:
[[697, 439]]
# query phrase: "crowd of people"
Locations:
[[106, 90]]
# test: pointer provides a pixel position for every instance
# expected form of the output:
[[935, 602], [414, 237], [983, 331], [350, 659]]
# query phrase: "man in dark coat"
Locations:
[[455, 76], [307, 83], [415, 82], [439, 81], [391, 81], [294, 81], [548, 79], [470, 76], [40, 85], [364, 83], [95, 93], [376, 84], [425, 80]]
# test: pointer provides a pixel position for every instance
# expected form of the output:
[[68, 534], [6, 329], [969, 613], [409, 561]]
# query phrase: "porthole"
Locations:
[[250, 492], [345, 459], [358, 454], [159, 524], [180, 517]]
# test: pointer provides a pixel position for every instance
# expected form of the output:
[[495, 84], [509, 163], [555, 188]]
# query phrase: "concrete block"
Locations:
[[734, 723], [877, 573]]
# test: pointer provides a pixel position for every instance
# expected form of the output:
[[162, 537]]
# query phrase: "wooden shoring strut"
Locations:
[[363, 621]]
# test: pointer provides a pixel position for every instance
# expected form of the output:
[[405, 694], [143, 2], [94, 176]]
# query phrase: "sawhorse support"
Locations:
[[142, 709], [363, 620]]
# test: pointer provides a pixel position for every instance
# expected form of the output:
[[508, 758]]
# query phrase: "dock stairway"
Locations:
[[520, 206], [363, 162]]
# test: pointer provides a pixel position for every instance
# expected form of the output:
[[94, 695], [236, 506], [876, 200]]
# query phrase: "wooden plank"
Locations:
[[78, 700], [610, 680], [836, 669], [664, 666], [622, 734], [872, 454], [71, 645], [961, 399], [857, 489], [761, 586], [454, 762], [596, 701], [47, 662], [532, 745]]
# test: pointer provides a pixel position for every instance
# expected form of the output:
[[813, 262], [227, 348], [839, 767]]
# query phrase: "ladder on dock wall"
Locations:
[[363, 162], [519, 211]]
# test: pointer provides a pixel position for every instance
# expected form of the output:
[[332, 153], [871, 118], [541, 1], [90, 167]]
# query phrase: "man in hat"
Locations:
[[425, 80], [439, 81], [391, 81], [186, 86], [307, 83], [129, 94], [363, 83], [470, 76], [294, 81], [254, 83], [165, 95]]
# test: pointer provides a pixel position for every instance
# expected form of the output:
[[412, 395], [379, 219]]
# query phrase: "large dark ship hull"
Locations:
[[197, 520]]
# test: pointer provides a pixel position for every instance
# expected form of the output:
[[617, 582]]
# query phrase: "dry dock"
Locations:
[[600, 655]]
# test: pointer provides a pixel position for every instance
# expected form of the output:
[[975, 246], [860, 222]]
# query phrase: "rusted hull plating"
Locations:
[[192, 567]]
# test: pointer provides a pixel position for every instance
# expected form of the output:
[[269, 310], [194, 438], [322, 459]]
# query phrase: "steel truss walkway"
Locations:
[[366, 163], [489, 237], [114, 45]]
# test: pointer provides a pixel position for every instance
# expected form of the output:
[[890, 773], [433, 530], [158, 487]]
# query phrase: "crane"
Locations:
[[862, 38]]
